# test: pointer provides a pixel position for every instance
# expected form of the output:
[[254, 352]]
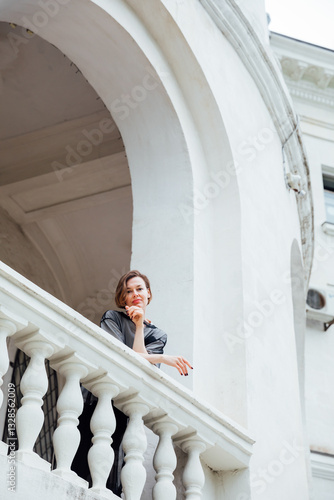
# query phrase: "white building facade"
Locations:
[[309, 72], [156, 135]]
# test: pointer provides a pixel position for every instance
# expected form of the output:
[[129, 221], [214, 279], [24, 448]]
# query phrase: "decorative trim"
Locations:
[[308, 70], [263, 68], [310, 96], [300, 70], [309, 92], [322, 466]]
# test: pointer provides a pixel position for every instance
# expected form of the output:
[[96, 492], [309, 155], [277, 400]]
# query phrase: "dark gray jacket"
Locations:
[[120, 326]]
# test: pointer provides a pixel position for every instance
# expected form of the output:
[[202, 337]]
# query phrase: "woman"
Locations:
[[133, 294]]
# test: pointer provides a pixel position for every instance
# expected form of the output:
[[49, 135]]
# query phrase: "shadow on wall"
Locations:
[[17, 251]]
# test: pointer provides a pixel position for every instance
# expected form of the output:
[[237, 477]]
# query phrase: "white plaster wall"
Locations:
[[273, 391], [319, 384], [320, 344], [267, 235], [217, 210], [317, 122], [320, 152], [323, 488]]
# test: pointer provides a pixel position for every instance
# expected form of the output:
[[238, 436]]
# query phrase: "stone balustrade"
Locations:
[[45, 328]]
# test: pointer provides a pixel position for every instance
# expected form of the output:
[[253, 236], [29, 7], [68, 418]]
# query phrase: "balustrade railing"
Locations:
[[45, 328]]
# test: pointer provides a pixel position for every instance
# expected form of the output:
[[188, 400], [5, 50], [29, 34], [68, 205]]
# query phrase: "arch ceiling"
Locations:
[[142, 67], [63, 175]]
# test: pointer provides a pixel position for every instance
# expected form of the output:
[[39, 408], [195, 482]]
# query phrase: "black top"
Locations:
[[120, 326]]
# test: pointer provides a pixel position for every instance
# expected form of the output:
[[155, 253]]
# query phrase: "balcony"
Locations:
[[80, 352]]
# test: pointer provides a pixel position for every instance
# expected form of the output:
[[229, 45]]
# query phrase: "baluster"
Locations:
[[66, 437], [103, 424], [193, 475], [30, 416], [164, 461], [7, 328], [133, 475]]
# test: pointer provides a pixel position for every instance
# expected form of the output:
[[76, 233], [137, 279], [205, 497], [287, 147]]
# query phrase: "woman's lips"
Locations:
[[136, 301]]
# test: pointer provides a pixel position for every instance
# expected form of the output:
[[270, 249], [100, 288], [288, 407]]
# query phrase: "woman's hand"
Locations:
[[136, 314], [178, 362]]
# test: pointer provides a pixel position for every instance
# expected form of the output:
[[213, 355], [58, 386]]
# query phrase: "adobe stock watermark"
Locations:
[[248, 148], [96, 305], [274, 469], [11, 439], [265, 308], [31, 25], [253, 144], [74, 156], [202, 197], [255, 319], [120, 107]]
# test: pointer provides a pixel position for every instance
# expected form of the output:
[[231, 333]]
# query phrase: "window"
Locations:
[[328, 181]]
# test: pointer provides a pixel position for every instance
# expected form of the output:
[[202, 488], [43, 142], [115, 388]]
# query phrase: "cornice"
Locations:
[[308, 82], [312, 55], [300, 70], [262, 66], [308, 70]]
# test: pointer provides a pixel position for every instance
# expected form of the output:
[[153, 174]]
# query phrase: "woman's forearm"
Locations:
[[139, 343], [179, 362], [152, 358]]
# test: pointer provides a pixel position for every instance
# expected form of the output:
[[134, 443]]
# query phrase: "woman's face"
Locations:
[[136, 293]]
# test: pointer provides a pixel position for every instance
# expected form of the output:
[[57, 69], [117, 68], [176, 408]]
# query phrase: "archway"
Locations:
[[175, 144], [64, 177]]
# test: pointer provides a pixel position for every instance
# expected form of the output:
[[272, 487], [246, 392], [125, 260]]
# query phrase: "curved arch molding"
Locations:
[[262, 67]]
